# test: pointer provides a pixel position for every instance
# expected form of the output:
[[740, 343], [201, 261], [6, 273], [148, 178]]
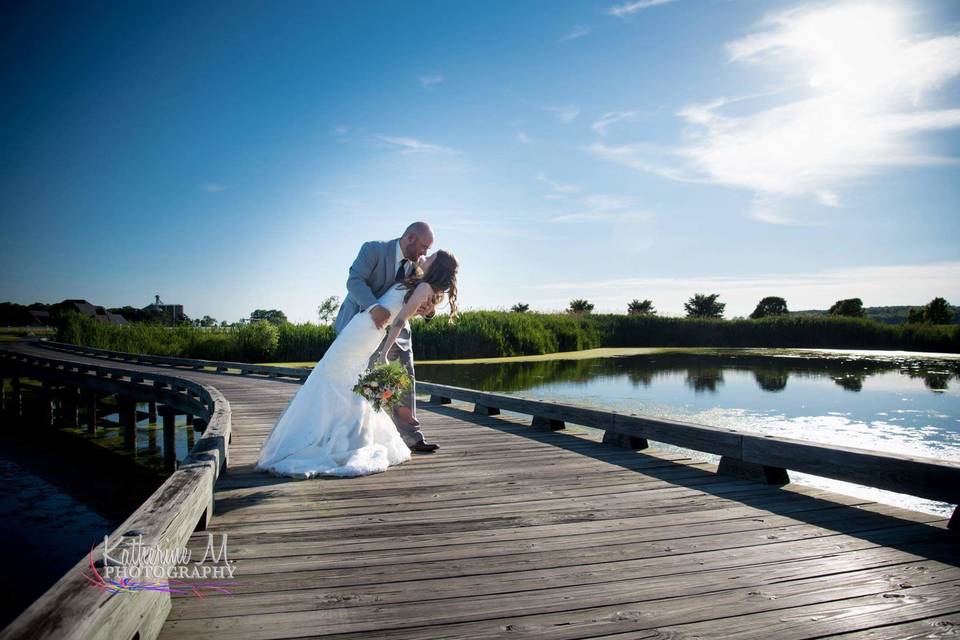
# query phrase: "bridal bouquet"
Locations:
[[383, 385]]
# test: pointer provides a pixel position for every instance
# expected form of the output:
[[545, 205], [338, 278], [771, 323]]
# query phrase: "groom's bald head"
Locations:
[[416, 240]]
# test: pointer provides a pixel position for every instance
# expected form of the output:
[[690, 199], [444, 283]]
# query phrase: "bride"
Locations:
[[329, 430]]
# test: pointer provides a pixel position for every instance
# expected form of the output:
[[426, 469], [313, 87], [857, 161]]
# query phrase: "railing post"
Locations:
[[169, 418], [71, 407], [485, 410], [47, 412], [547, 424], [92, 398], [752, 471], [128, 421], [152, 411], [151, 436], [17, 397], [621, 440]]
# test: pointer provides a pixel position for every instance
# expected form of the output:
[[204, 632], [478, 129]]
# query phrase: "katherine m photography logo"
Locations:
[[128, 565]]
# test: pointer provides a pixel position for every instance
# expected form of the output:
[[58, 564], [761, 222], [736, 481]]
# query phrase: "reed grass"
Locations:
[[484, 334]]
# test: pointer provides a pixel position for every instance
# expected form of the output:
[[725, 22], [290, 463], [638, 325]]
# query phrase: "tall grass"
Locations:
[[256, 342], [490, 334], [479, 334]]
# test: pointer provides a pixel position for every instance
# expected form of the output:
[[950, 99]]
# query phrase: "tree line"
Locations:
[[708, 306]]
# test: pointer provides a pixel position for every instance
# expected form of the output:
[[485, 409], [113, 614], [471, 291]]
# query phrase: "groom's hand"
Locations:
[[380, 316]]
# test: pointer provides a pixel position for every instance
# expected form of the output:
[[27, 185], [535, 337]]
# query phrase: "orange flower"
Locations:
[[387, 395]]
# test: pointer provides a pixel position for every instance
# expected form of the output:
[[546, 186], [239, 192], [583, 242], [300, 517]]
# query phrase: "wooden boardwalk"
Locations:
[[511, 532]]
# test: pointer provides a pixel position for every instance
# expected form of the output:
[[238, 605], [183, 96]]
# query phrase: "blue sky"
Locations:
[[233, 156]]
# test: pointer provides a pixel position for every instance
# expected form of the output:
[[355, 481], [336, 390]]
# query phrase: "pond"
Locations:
[[889, 401]]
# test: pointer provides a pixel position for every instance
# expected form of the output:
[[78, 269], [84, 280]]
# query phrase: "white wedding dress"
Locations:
[[327, 429]]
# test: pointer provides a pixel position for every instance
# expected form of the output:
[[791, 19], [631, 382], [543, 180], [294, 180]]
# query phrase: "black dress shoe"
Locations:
[[424, 447]]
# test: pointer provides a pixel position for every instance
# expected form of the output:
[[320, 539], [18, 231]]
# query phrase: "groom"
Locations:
[[379, 266]]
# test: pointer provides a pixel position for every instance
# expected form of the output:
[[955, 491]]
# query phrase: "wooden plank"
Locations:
[[676, 615]]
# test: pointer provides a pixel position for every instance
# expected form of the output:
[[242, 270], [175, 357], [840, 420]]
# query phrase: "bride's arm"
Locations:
[[421, 294]]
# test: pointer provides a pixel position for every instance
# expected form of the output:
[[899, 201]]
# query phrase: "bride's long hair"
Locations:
[[442, 276]]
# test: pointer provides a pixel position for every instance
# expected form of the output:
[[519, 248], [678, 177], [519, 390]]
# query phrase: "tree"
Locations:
[[520, 307], [14, 315], [638, 308], [850, 307], [208, 322], [580, 307], [770, 306], [328, 309], [937, 311], [273, 316], [704, 306], [915, 316]]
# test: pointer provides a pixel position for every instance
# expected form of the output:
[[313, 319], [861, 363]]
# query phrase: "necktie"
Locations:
[[401, 271]]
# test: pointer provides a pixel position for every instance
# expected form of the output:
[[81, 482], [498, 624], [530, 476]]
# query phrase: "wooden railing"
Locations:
[[217, 366], [72, 607], [744, 454]]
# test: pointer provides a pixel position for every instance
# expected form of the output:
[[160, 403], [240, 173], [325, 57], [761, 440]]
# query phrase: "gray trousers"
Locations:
[[411, 434]]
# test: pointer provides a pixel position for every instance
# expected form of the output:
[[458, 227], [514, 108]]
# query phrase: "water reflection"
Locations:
[[908, 405], [702, 373]]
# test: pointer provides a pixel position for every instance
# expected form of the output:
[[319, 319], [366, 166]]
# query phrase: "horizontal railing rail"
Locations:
[[218, 366], [73, 607], [741, 453]]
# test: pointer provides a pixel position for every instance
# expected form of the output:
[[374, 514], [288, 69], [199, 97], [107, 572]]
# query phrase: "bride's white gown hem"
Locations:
[[327, 429]]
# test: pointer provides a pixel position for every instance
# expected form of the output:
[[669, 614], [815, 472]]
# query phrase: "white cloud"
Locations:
[[603, 207], [558, 187], [429, 81], [413, 145], [606, 216], [340, 130], [523, 137], [875, 285], [576, 33], [610, 118], [214, 187], [828, 198], [565, 114], [648, 158], [862, 109], [608, 202], [628, 8]]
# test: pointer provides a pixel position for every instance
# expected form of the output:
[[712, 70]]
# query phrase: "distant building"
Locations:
[[172, 313], [40, 318], [84, 308]]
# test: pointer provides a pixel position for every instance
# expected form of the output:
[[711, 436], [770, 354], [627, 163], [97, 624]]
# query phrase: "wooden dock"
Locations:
[[514, 532]]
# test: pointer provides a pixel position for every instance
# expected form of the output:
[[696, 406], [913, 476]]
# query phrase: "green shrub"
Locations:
[[258, 340]]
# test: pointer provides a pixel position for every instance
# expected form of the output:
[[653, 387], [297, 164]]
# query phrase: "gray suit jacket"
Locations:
[[371, 275]]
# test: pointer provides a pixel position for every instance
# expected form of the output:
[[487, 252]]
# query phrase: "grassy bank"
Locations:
[[491, 334], [8, 334]]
